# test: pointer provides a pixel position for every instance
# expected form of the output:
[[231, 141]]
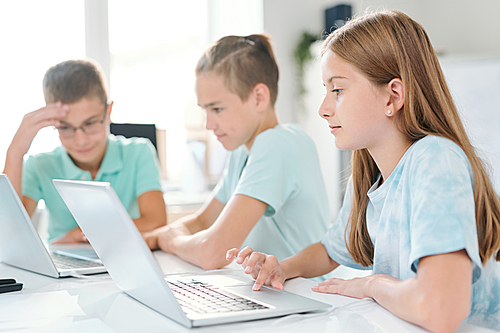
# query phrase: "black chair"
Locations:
[[135, 130]]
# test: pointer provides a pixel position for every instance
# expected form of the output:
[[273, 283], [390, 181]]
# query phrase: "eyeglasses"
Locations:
[[90, 127]]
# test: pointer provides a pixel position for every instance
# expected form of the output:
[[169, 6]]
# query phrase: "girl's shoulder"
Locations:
[[432, 146], [433, 155]]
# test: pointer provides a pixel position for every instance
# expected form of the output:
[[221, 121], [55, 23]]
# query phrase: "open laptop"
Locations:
[[21, 246], [187, 299]]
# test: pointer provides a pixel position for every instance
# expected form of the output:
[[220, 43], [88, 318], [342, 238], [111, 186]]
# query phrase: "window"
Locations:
[[153, 49], [31, 43]]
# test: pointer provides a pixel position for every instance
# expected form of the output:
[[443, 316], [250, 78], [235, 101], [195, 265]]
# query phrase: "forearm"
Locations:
[[310, 262], [202, 249], [146, 224], [192, 222], [417, 304], [14, 168], [399, 297]]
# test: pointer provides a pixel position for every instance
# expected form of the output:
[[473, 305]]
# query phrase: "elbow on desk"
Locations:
[[211, 256], [439, 317]]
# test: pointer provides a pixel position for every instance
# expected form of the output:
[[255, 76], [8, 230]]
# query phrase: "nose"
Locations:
[[80, 137], [210, 123], [325, 109]]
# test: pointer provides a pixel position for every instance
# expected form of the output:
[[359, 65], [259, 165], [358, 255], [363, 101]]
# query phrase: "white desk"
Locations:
[[95, 304]]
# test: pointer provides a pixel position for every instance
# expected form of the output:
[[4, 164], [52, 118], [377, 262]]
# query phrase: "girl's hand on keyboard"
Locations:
[[265, 269]]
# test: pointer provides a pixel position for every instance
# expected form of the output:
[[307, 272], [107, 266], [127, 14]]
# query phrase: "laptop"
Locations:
[[21, 246], [192, 299]]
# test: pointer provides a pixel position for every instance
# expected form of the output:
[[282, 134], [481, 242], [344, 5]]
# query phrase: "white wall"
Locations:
[[454, 26]]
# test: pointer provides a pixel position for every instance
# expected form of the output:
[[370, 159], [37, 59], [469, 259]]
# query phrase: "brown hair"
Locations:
[[244, 62], [72, 80], [387, 45]]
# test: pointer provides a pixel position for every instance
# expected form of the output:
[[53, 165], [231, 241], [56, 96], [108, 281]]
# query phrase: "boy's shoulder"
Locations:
[[122, 141], [283, 134], [55, 155], [129, 146]]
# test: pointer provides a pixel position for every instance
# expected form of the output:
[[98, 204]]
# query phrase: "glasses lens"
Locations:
[[91, 127], [65, 131]]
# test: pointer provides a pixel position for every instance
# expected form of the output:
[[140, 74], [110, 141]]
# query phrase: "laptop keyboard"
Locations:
[[199, 297], [66, 262]]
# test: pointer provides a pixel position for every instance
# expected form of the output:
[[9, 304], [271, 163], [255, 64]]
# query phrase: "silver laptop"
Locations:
[[21, 246], [191, 300]]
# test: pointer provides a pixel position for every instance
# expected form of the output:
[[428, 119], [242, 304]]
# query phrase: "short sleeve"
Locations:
[[221, 190], [31, 186], [271, 174], [148, 170], [443, 209], [334, 241]]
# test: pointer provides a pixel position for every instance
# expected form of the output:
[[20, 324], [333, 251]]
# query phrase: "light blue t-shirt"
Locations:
[[425, 207], [130, 165], [282, 170]]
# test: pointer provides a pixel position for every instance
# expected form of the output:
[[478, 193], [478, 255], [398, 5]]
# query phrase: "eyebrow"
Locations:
[[209, 104], [336, 77], [83, 122]]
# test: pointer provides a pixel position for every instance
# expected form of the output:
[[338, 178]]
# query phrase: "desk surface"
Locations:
[[95, 304]]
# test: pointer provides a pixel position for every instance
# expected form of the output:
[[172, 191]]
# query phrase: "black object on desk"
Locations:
[[7, 285]]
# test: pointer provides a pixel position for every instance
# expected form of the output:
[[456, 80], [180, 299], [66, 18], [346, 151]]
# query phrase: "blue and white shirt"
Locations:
[[425, 207]]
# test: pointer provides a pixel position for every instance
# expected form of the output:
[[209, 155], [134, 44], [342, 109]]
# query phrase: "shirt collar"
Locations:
[[113, 159]]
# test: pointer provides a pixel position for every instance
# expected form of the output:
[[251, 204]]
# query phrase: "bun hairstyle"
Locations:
[[243, 62]]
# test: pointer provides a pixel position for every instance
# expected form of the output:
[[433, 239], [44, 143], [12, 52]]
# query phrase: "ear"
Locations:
[[396, 101], [108, 110], [261, 96]]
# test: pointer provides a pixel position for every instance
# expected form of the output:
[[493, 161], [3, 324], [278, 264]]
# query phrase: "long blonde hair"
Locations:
[[387, 45]]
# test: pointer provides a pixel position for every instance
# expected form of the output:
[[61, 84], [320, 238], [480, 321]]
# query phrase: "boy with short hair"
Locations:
[[77, 106]]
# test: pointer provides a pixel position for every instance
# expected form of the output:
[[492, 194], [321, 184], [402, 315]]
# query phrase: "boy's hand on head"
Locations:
[[32, 122], [265, 269]]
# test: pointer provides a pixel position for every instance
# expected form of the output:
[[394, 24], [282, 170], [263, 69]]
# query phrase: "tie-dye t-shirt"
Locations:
[[425, 207]]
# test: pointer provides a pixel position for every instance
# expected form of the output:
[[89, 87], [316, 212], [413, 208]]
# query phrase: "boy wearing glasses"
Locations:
[[77, 106]]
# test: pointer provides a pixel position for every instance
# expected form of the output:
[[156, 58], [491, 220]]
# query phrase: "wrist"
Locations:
[[14, 154], [370, 285], [287, 268]]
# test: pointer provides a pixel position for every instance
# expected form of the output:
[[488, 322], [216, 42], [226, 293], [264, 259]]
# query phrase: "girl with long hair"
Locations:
[[419, 210]]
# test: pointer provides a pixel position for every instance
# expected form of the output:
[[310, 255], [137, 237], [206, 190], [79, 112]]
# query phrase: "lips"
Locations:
[[333, 129], [83, 151]]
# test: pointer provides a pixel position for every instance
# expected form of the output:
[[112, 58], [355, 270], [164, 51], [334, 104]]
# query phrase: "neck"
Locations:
[[268, 121], [388, 156]]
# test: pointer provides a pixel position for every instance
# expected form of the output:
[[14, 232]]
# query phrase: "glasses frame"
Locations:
[[74, 129]]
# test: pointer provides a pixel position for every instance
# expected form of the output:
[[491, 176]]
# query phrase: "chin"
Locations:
[[229, 146]]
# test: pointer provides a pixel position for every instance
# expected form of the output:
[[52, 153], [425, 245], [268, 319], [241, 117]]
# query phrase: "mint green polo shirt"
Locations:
[[130, 165], [282, 170]]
